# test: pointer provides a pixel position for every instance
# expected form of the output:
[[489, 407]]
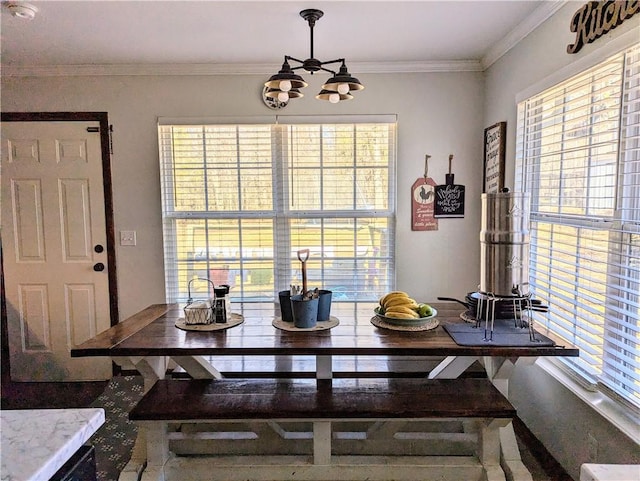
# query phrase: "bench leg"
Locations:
[[157, 450], [385, 429], [322, 442], [135, 466], [152, 369], [489, 448], [511, 460], [499, 371]]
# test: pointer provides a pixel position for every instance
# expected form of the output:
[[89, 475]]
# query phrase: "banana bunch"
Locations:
[[398, 304]]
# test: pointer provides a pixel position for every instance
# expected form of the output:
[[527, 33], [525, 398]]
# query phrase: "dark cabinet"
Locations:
[[80, 467]]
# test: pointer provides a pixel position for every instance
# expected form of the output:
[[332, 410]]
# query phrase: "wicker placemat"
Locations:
[[320, 325], [235, 320], [466, 316], [428, 325]]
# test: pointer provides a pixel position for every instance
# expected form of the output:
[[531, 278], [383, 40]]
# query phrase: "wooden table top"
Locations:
[[152, 332]]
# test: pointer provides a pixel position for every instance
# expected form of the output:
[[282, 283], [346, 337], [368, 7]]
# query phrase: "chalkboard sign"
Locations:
[[449, 198], [449, 201]]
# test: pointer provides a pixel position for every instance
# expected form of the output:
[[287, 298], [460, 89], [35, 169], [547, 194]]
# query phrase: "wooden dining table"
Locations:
[[150, 342]]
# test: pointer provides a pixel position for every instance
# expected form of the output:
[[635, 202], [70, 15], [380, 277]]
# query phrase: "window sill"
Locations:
[[622, 417]]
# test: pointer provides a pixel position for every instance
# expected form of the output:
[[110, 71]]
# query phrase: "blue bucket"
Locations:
[[285, 306], [305, 312], [324, 305]]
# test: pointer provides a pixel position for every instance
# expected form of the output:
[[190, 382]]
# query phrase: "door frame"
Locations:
[[103, 119]]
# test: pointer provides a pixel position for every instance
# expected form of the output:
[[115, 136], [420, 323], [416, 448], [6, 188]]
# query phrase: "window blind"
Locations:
[[240, 200], [578, 155]]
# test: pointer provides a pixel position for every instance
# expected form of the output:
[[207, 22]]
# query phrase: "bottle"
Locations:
[[222, 309]]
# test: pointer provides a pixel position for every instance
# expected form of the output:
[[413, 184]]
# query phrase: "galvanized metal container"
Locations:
[[504, 244]]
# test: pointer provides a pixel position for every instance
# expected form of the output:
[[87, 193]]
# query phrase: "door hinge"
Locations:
[[97, 129]]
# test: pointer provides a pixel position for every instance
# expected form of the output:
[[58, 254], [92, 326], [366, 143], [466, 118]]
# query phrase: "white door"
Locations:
[[54, 245]]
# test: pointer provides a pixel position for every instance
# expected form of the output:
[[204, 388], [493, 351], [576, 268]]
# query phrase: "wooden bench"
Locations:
[[388, 408]]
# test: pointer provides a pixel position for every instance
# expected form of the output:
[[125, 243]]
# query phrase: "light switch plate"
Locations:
[[127, 237]]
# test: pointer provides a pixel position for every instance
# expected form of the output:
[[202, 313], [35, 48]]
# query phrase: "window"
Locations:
[[239, 201], [578, 154]]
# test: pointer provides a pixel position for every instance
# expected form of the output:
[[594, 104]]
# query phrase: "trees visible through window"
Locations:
[[239, 201]]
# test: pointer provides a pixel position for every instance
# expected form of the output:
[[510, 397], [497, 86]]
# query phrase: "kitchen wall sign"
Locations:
[[422, 201], [594, 19], [449, 197], [494, 152]]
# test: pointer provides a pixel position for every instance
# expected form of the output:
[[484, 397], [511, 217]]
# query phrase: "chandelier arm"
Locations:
[[339, 60], [288, 57], [327, 70]]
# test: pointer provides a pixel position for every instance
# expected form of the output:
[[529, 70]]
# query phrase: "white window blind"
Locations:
[[239, 201], [578, 154]]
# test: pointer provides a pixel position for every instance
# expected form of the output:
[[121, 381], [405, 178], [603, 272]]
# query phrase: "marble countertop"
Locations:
[[35, 443]]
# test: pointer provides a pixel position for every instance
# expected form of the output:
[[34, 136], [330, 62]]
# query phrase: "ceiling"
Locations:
[[253, 36]]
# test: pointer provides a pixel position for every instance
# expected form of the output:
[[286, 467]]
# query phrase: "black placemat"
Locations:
[[505, 334]]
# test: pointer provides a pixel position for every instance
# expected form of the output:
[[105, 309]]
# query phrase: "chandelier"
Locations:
[[286, 84]]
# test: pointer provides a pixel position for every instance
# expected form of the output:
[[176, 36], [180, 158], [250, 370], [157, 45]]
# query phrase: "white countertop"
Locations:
[[610, 472], [37, 442]]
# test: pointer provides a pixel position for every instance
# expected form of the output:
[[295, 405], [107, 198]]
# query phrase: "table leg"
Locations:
[[324, 368], [451, 367], [151, 369], [197, 367], [499, 370]]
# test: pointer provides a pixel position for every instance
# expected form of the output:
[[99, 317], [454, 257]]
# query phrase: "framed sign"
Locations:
[[495, 138]]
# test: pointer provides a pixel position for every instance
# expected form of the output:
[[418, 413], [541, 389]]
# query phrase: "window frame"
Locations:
[[613, 224], [281, 215]]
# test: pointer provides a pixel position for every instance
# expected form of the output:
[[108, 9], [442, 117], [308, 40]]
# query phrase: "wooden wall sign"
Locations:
[[495, 138], [422, 198], [594, 19]]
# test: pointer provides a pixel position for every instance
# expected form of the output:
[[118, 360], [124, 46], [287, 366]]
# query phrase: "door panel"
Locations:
[[51, 221], [28, 222]]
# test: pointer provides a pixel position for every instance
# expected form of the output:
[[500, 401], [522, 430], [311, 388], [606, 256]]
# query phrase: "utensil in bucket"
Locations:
[[303, 256], [199, 312]]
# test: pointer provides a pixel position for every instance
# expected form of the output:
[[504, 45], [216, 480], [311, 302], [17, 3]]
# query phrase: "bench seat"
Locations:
[[339, 429], [198, 399]]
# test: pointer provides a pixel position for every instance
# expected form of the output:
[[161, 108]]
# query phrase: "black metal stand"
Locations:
[[486, 308]]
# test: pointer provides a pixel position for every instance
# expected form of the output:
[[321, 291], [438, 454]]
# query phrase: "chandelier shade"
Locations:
[[286, 83], [343, 82], [286, 74], [283, 95], [333, 96]]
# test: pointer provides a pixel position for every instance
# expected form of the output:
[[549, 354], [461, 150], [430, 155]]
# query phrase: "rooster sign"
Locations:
[[422, 204]]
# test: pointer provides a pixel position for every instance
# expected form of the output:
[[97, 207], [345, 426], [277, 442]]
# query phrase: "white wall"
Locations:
[[438, 114], [561, 420]]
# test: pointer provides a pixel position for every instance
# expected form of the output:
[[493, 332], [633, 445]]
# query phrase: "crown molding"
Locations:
[[225, 69], [524, 28], [500, 48]]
